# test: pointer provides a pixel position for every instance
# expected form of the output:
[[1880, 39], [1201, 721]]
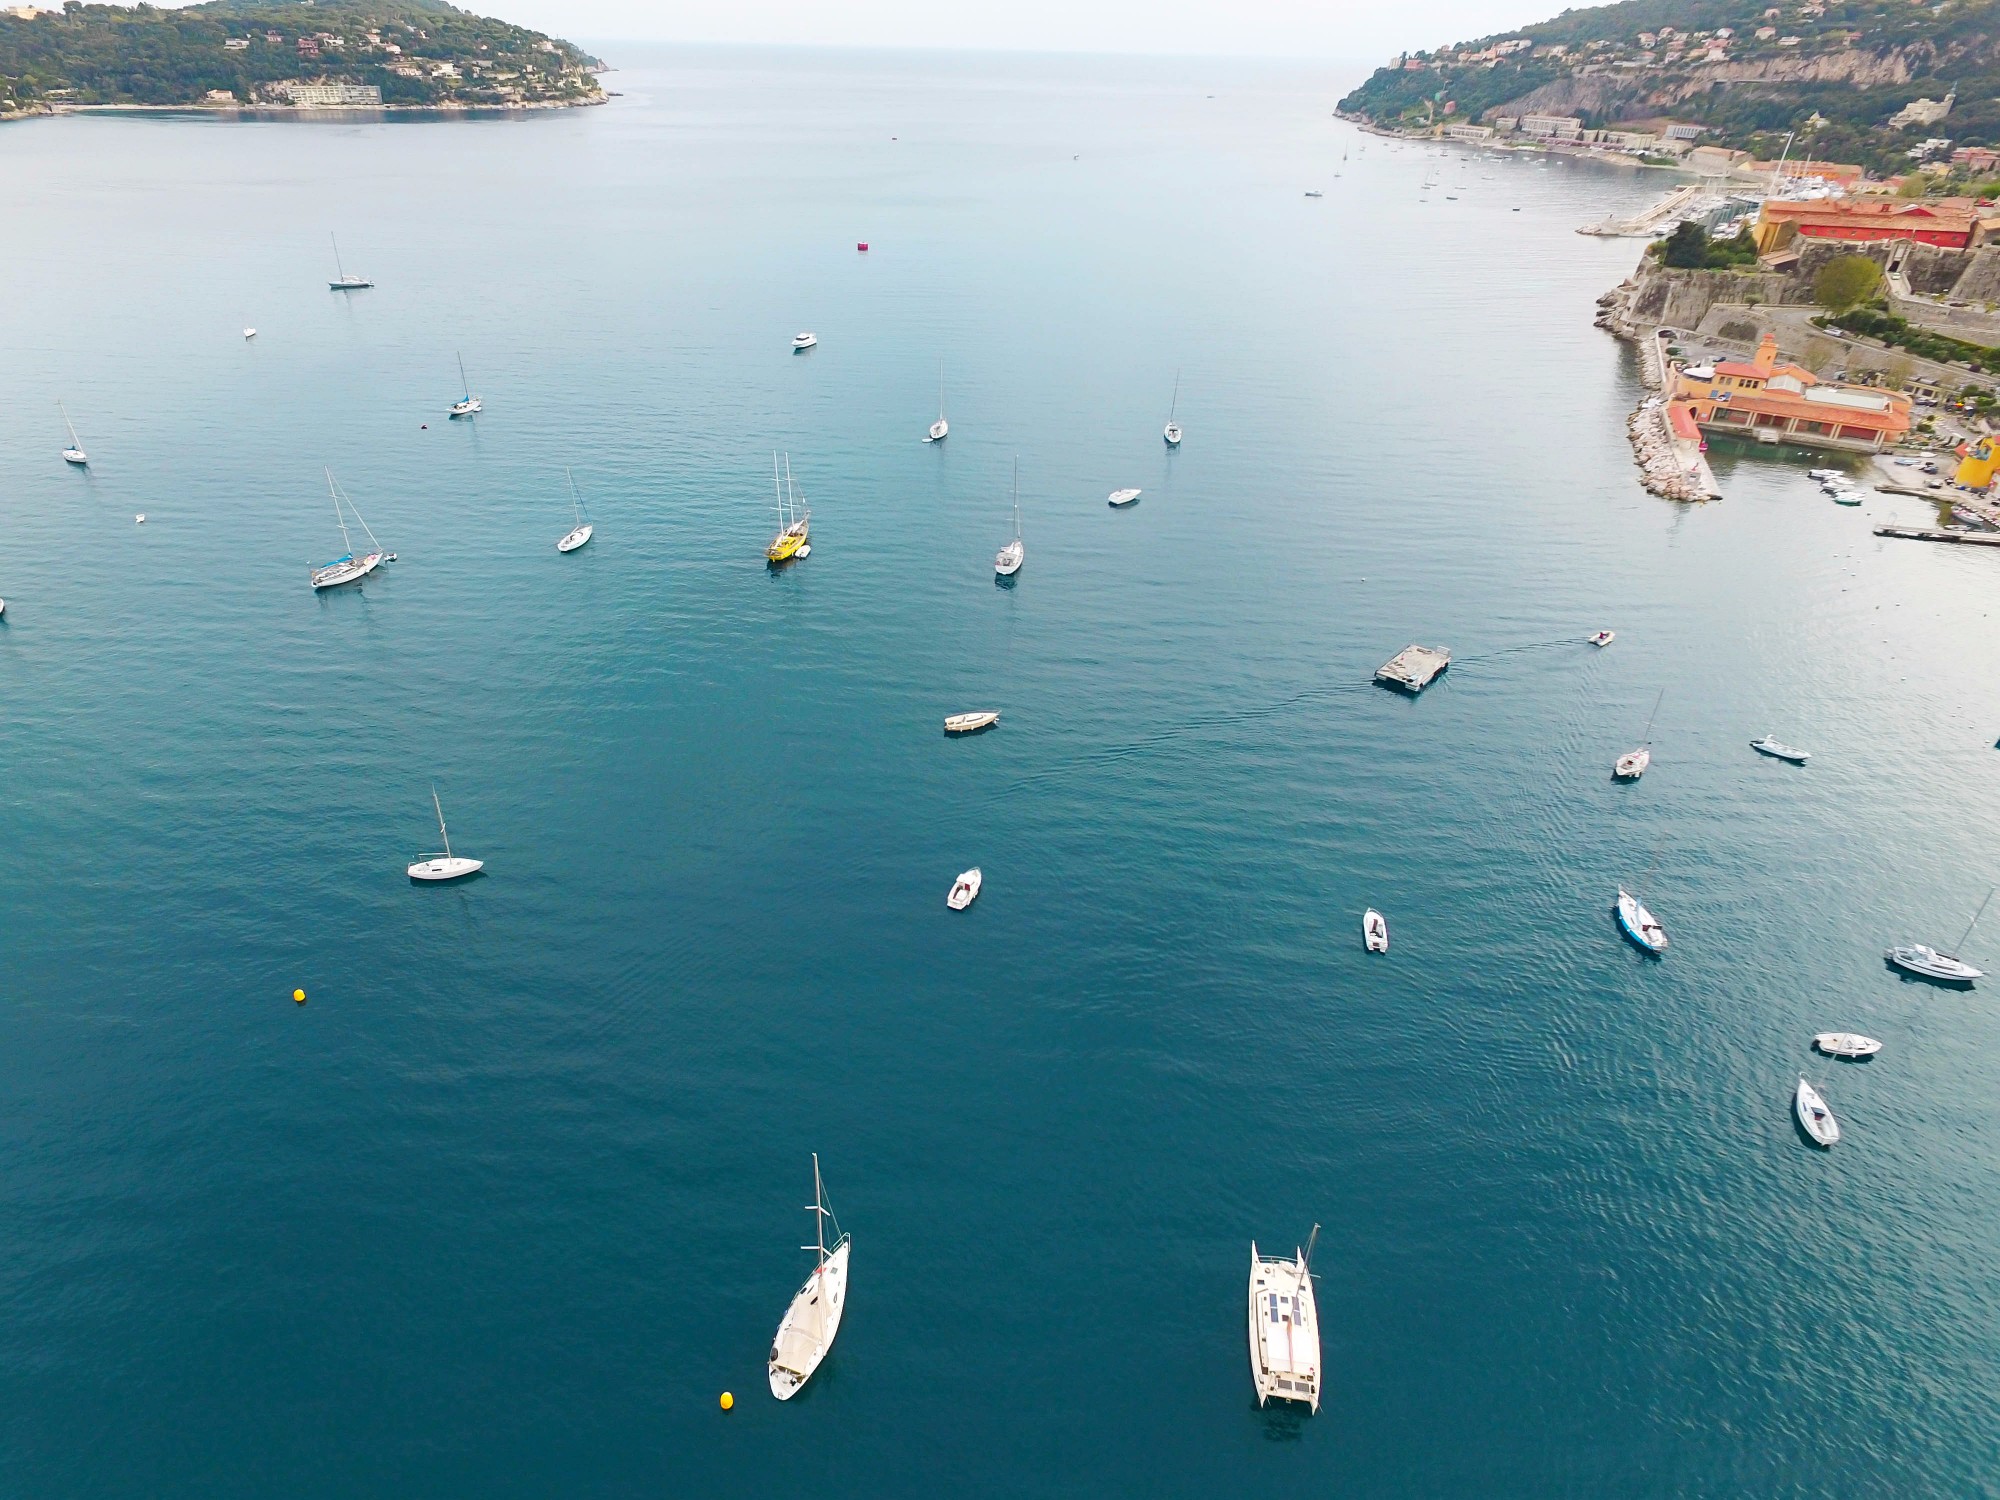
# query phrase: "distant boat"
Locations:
[[964, 889], [983, 718], [467, 404], [1604, 638], [1846, 1044], [1847, 497], [803, 341], [581, 532], [1632, 764], [1639, 924], [794, 522], [1814, 1115], [1374, 931], [1172, 431], [807, 1330], [1771, 747], [445, 866], [1124, 497], [1007, 561], [350, 567], [1315, 192], [249, 333], [940, 429], [1284, 1326], [1916, 958], [343, 281], [74, 453]]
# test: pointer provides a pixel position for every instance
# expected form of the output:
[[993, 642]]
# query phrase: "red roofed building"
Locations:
[[1763, 398], [1950, 223]]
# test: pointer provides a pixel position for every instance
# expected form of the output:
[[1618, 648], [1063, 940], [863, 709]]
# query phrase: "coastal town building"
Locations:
[[328, 95], [1766, 399], [1464, 132], [1552, 127], [1923, 111], [1950, 223]]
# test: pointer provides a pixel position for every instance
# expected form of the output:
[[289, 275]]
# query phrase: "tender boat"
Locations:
[[940, 429], [803, 341], [74, 453], [249, 333], [467, 404], [351, 567], [1284, 1326], [1814, 1115], [581, 532], [964, 889], [1639, 924], [794, 521], [1124, 497], [1846, 1044], [1007, 561], [1632, 764], [445, 866], [1778, 751], [1847, 497], [967, 723], [806, 1331], [1172, 431], [344, 282], [1374, 931], [1931, 964], [1823, 474], [1604, 638]]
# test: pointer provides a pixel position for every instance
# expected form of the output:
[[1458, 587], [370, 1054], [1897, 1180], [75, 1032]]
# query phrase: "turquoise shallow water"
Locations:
[[516, 1195]]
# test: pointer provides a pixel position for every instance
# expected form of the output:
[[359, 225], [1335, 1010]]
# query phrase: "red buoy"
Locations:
[[861, 244]]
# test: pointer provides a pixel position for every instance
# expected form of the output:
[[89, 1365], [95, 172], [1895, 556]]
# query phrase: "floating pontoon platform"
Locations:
[[1413, 668]]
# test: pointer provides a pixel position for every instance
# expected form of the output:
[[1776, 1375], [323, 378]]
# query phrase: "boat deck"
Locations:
[[1413, 668]]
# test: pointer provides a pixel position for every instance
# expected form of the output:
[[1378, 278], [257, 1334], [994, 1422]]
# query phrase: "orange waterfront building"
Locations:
[[1951, 223], [1772, 401]]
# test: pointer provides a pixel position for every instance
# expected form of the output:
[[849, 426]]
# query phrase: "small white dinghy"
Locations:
[[1640, 925], [967, 723], [806, 1331], [1284, 1326], [1779, 751], [249, 333], [964, 889], [1814, 1115], [803, 341], [1374, 931], [1846, 1044], [1124, 497], [445, 866], [581, 533], [1604, 638]]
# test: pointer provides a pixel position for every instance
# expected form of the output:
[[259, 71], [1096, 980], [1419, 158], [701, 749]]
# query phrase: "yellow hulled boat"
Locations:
[[794, 538]]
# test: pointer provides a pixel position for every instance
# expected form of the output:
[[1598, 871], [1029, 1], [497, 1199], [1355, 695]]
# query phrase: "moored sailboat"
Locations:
[[1640, 925], [467, 404], [583, 529], [343, 282], [1814, 1115], [445, 866], [1007, 561], [807, 1330], [1632, 764], [1172, 431], [1927, 962], [940, 429], [794, 538], [351, 567], [74, 453]]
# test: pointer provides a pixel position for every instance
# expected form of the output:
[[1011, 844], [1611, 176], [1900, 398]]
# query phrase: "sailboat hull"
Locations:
[[446, 867], [575, 539], [347, 570], [806, 1332]]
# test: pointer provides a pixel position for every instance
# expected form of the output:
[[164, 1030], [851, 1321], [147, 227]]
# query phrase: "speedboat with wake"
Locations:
[[1604, 638], [806, 1331], [1284, 1326], [1640, 925], [1813, 1114]]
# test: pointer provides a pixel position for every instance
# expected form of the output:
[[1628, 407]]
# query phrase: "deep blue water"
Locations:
[[516, 1195]]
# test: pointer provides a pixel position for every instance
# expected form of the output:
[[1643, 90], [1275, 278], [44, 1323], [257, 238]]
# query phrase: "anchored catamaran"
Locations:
[[805, 1333], [1284, 1326]]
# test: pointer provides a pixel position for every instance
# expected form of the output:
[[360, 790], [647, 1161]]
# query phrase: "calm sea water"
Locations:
[[508, 1204]]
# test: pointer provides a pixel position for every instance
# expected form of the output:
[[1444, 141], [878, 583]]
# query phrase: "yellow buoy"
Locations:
[[727, 1401], [300, 996]]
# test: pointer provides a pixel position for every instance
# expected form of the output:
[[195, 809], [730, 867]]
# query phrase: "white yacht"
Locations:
[[964, 889], [467, 404], [1172, 431], [1007, 561], [1374, 931], [1917, 958], [940, 429], [1124, 497], [984, 718], [580, 533], [343, 282], [806, 1331], [803, 341], [445, 866], [1640, 925], [74, 453], [1284, 1326], [1778, 751], [1846, 1044], [351, 566], [1814, 1115]]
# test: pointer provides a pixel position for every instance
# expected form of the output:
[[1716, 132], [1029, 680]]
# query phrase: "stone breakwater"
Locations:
[[1663, 466]]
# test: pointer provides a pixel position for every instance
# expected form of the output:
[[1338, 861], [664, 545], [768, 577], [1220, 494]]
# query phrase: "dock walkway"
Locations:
[[1925, 534]]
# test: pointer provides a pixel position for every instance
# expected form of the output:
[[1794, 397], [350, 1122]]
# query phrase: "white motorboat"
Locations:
[[1846, 1044], [1917, 958], [343, 281], [1124, 497], [806, 1331], [1007, 561], [803, 341], [74, 453], [1779, 751], [1172, 431], [984, 718], [445, 866], [351, 566], [467, 404], [1640, 925], [964, 889], [249, 333], [1284, 1326], [1374, 931], [1315, 192], [940, 429], [581, 532], [1632, 764], [1823, 474], [1814, 1115], [1604, 638]]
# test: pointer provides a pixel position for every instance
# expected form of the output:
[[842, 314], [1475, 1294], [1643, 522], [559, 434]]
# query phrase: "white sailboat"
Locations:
[[1172, 432], [1640, 925], [445, 866], [1007, 561], [583, 529], [1124, 497], [467, 404], [1814, 1114], [1918, 958], [1632, 764], [350, 567], [343, 282], [74, 453], [1284, 1326], [940, 429], [1846, 1044], [806, 1331]]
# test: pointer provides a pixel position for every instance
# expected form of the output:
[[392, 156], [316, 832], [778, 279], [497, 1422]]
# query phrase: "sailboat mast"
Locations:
[[819, 1214], [1017, 499], [1647, 738], [339, 519], [940, 390], [440, 812], [74, 440], [1176, 404], [1970, 925], [464, 384], [575, 500], [337, 266], [1311, 1240]]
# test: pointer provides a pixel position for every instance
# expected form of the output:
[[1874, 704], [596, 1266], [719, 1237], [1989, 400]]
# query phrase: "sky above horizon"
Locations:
[[1341, 29]]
